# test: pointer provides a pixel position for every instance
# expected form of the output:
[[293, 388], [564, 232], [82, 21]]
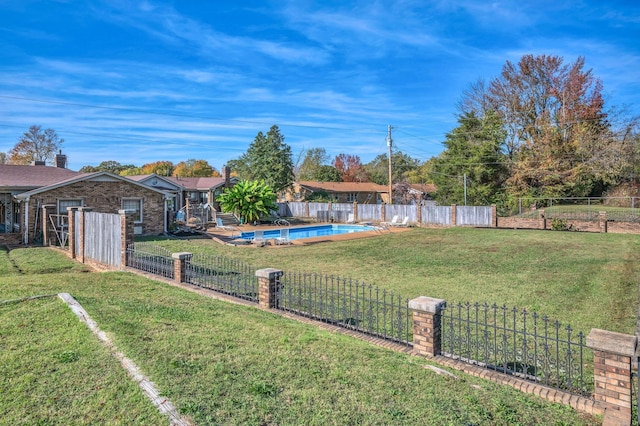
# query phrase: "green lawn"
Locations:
[[583, 279], [219, 363]]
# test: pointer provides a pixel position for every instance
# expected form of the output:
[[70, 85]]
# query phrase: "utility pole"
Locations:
[[389, 142], [465, 189]]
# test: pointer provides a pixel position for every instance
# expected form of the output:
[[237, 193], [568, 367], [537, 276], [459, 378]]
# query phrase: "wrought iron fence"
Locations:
[[619, 209], [224, 275], [517, 342], [150, 258], [347, 303]]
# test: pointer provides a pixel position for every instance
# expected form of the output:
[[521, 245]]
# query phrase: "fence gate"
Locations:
[[102, 237]]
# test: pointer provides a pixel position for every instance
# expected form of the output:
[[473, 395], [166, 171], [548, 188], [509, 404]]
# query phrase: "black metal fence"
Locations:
[[520, 343], [224, 275], [150, 258], [347, 303]]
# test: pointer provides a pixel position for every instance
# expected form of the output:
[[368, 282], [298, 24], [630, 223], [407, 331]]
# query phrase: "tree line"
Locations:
[[541, 128]]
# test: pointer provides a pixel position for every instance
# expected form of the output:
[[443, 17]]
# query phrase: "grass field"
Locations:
[[583, 279], [219, 363]]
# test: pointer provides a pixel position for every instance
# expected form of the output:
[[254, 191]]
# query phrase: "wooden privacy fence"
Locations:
[[427, 215]]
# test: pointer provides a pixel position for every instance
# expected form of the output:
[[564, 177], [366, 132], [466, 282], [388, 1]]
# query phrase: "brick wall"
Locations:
[[104, 197]]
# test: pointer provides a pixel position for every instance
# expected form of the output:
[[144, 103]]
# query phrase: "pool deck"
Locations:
[[232, 238]]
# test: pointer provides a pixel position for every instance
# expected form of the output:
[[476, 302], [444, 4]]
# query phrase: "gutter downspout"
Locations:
[[25, 237], [166, 213]]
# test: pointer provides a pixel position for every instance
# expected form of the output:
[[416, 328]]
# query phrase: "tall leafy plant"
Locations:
[[249, 200]]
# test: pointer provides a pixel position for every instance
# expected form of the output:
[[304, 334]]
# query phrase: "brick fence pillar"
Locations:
[[71, 236], [602, 221], [126, 234], [427, 317], [355, 211], [82, 228], [180, 265], [543, 219], [454, 215], [268, 285], [494, 216], [612, 354]]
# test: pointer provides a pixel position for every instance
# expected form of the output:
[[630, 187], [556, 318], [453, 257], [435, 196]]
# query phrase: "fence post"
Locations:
[[268, 286], [454, 215], [46, 224], [427, 318], [543, 219], [612, 373], [602, 221], [126, 234], [306, 209], [81, 228], [494, 216], [355, 211], [180, 266], [71, 238], [419, 213]]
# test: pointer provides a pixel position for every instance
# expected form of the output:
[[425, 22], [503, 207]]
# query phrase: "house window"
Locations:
[[133, 204], [352, 197], [63, 218]]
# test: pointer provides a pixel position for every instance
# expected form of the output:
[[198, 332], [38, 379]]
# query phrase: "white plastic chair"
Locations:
[[258, 238], [394, 221], [284, 237]]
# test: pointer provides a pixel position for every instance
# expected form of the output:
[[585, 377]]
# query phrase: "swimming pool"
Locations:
[[297, 233]]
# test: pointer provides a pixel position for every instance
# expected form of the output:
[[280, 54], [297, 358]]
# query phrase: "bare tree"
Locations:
[[35, 145]]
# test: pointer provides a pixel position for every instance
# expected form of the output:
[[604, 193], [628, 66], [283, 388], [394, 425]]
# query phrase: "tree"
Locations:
[[107, 166], [313, 160], [161, 168], [472, 149], [3, 158], [249, 200], [195, 168], [132, 171], [350, 168], [35, 145], [402, 164], [326, 173], [268, 158]]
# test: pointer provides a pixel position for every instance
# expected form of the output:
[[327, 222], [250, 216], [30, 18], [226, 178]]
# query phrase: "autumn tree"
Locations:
[[195, 168], [3, 157], [268, 158], [161, 168], [315, 167], [35, 144], [350, 168]]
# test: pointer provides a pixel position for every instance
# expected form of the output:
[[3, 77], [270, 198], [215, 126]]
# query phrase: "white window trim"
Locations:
[[61, 221], [140, 203]]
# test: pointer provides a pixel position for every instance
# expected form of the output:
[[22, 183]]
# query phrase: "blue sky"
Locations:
[[137, 82]]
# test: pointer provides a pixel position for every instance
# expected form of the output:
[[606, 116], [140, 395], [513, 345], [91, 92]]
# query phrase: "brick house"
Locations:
[[193, 190], [25, 190], [341, 192]]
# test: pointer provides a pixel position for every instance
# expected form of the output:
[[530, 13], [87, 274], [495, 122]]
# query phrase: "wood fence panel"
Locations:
[[370, 212], [102, 238], [436, 215], [473, 215]]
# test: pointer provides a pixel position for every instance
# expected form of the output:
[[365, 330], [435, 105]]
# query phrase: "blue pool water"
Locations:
[[312, 231]]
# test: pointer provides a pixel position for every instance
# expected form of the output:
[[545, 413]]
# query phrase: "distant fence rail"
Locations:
[[520, 343], [346, 303], [619, 209], [150, 258]]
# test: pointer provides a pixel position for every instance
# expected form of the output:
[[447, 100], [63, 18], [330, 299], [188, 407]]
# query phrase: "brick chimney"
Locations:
[[60, 160], [226, 176]]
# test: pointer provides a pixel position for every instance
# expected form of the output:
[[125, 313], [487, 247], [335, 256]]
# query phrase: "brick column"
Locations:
[[81, 227], [612, 354], [602, 221], [126, 234], [427, 315], [306, 209], [179, 265], [355, 211], [494, 216], [419, 213], [453, 215], [71, 212], [268, 284]]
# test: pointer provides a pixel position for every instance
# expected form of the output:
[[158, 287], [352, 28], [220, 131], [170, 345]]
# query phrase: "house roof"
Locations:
[[343, 186], [83, 177], [189, 183], [27, 177], [426, 188]]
